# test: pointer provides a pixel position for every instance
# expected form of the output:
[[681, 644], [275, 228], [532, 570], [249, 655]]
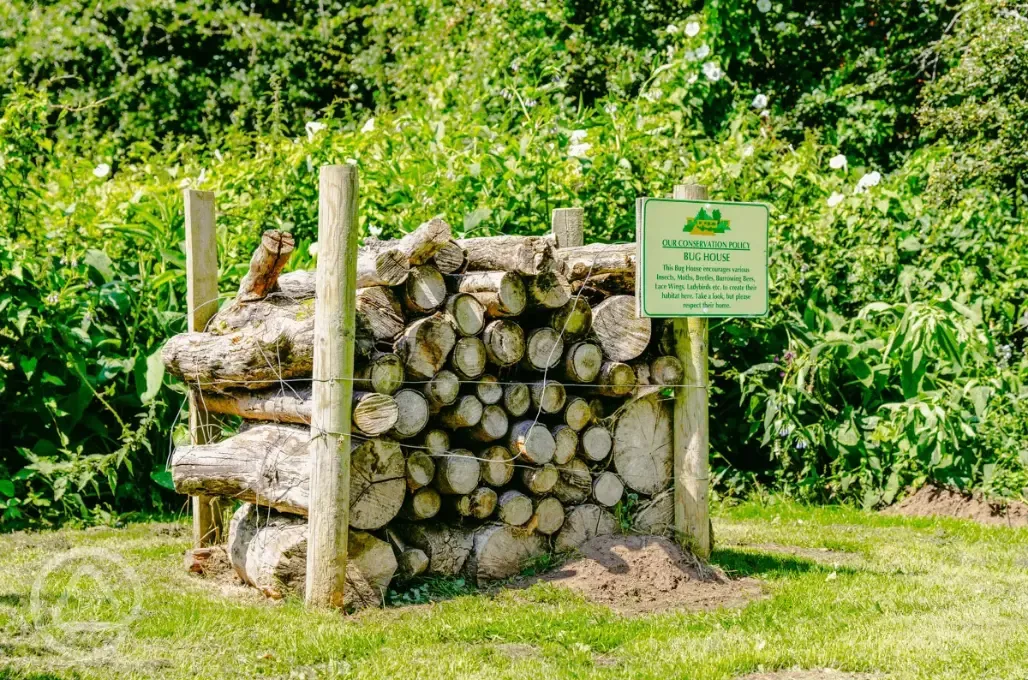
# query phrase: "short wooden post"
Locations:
[[691, 423], [201, 305], [568, 226], [334, 321]]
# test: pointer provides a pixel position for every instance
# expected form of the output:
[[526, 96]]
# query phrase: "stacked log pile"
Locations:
[[506, 399]]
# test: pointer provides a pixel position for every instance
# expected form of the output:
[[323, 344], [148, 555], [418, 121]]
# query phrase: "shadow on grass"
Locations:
[[739, 563], [11, 600]]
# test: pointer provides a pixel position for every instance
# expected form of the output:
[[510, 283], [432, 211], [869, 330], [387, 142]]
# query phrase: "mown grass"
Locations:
[[906, 598]]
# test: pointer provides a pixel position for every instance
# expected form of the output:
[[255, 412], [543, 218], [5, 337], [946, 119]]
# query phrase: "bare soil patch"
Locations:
[[935, 501], [645, 574], [818, 674]]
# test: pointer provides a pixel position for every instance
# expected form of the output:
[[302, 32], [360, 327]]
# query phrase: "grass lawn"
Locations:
[[903, 598]]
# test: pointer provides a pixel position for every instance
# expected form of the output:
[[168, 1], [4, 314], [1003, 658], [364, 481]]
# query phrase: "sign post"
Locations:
[[697, 259]]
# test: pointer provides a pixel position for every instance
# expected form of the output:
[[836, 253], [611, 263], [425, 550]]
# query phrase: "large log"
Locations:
[[451, 258], [382, 373], [583, 523], [574, 320], [527, 255], [642, 445], [544, 349], [500, 293], [548, 516], [447, 547], [466, 313], [424, 290], [469, 358], [378, 482], [265, 265], [418, 246], [621, 334], [582, 362], [514, 507], [500, 551], [457, 473], [382, 312], [426, 345], [492, 425], [595, 259], [549, 290], [412, 409], [530, 441], [504, 342], [373, 413]]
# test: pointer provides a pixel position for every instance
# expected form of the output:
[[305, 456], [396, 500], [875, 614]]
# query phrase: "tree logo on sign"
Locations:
[[706, 224]]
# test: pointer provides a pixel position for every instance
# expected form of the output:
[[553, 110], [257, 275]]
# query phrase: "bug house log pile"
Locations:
[[506, 399]]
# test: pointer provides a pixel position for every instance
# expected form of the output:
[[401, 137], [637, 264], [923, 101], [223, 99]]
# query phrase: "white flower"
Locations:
[[577, 136], [764, 6], [760, 101], [672, 28], [837, 162], [765, 114], [781, 26], [690, 55], [313, 127], [692, 79], [611, 108], [692, 29], [835, 199], [202, 177], [369, 125], [712, 71], [747, 151], [217, 154], [871, 179], [375, 230], [702, 51], [579, 150], [102, 170]]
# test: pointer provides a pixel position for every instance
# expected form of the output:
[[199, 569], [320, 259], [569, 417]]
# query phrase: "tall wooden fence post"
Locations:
[[201, 305], [568, 225], [334, 320], [691, 422]]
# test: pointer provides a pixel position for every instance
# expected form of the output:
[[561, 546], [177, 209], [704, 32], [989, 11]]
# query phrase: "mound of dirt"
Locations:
[[643, 574], [936, 501]]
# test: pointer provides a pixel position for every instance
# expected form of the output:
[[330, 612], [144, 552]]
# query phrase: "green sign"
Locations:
[[701, 258]]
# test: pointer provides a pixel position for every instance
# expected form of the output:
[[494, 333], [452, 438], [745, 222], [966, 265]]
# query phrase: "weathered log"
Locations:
[[527, 255], [424, 290], [652, 376], [419, 246], [465, 412], [469, 358], [377, 482], [437, 442], [504, 342], [466, 313], [500, 293], [492, 425], [574, 482], [451, 258], [574, 320], [265, 265], [514, 507], [566, 440], [457, 473], [657, 516], [548, 516], [595, 259], [582, 362], [596, 443], [577, 413], [642, 445], [500, 551], [548, 396], [276, 406], [549, 290], [539, 480], [381, 311], [373, 413], [447, 547], [442, 390], [426, 345], [607, 489], [422, 504], [517, 399], [489, 390], [615, 379], [531, 442], [382, 373], [420, 469], [543, 349], [583, 523], [479, 504], [412, 562], [621, 334], [412, 408], [497, 466]]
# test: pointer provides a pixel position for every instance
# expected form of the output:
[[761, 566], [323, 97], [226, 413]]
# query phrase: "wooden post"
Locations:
[[691, 423], [335, 308], [568, 226], [201, 305]]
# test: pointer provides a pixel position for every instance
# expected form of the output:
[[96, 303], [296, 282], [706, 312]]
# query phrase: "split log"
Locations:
[[621, 334], [517, 399], [504, 342], [492, 425], [582, 362], [615, 379], [530, 441], [419, 246], [265, 265], [543, 349], [642, 445], [567, 443], [600, 287], [596, 443], [424, 290], [420, 470], [656, 517], [574, 482], [412, 409], [373, 413], [577, 413], [574, 320], [468, 358], [500, 551], [457, 473], [466, 313], [436, 442], [382, 373], [548, 396], [497, 466], [548, 516], [426, 345], [381, 311], [549, 290], [540, 480], [596, 259], [451, 258], [465, 412], [479, 504], [447, 547], [608, 489], [527, 255], [489, 390], [583, 523], [422, 504], [514, 507], [442, 390], [500, 293]]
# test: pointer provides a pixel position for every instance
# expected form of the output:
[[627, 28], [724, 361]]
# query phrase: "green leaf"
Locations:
[[98, 260], [891, 488], [154, 377], [861, 371], [6, 488], [28, 365], [163, 478]]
